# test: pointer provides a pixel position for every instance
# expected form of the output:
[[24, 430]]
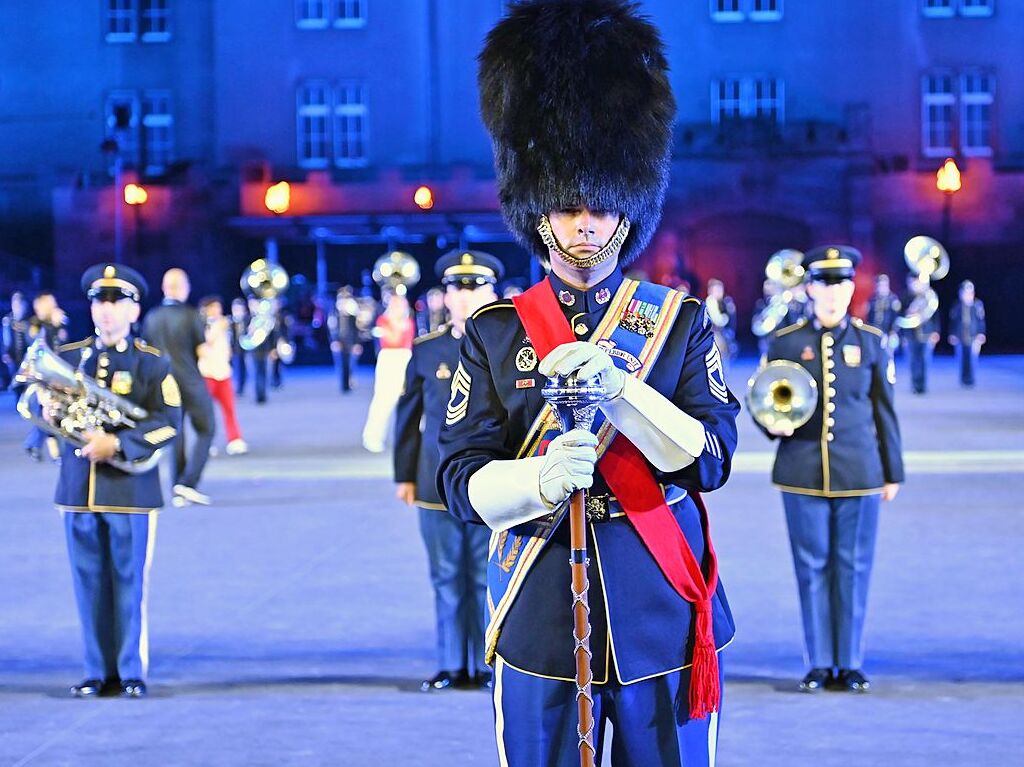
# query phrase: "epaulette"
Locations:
[[142, 346], [692, 299], [857, 322], [790, 328], [499, 305], [76, 345], [432, 334]]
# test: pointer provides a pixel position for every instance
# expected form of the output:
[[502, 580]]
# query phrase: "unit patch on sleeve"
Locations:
[[716, 376], [169, 390], [458, 404]]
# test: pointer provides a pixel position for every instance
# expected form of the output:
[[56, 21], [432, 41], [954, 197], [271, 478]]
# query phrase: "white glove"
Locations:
[[507, 493], [588, 360]]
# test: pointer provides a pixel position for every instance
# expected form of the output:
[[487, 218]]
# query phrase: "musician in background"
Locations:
[[769, 290], [722, 313], [239, 324], [263, 354], [284, 324], [882, 311], [921, 337], [395, 330], [430, 312], [967, 331], [110, 515], [47, 322], [835, 469], [14, 340], [341, 328], [215, 365]]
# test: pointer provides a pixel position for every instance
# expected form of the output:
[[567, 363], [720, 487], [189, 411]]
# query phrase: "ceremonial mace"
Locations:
[[576, 403]]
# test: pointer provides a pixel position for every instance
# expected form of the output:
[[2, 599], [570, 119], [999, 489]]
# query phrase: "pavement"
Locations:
[[291, 621]]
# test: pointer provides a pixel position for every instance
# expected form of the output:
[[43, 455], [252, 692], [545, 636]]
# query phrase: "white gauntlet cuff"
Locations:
[[507, 493]]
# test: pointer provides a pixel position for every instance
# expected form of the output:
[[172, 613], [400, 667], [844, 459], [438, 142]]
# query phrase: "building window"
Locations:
[[937, 109], [976, 99], [766, 10], [156, 21], [121, 113], [759, 98], [350, 13], [314, 124], [738, 10], [120, 21], [945, 9], [726, 10], [157, 132], [350, 117], [320, 14]]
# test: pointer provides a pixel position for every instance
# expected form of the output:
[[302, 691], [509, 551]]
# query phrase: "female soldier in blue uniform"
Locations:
[[834, 470], [579, 108], [109, 514]]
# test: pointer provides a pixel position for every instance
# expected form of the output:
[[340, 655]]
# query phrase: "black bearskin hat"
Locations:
[[576, 97]]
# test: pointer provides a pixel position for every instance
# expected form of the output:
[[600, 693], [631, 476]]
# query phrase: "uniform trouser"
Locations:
[[920, 357], [833, 543], [388, 379], [36, 437], [259, 373], [968, 359], [197, 405], [536, 720], [457, 555], [275, 373], [343, 364], [224, 396], [239, 370], [110, 557]]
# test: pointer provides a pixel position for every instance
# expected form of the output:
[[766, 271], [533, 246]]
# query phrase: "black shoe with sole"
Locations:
[[133, 688], [852, 680], [445, 680], [816, 680]]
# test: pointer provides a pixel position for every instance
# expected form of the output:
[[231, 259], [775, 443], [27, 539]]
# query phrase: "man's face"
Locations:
[[113, 319], [967, 293], [214, 311], [435, 300], [462, 302], [882, 285], [581, 231], [43, 306], [715, 290], [831, 300], [18, 305], [238, 309]]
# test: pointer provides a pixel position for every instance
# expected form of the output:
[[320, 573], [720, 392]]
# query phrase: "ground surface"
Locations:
[[291, 622]]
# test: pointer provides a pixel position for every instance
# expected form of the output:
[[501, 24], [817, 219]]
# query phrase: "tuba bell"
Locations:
[[396, 271], [75, 403], [784, 271], [926, 258], [264, 281], [782, 396]]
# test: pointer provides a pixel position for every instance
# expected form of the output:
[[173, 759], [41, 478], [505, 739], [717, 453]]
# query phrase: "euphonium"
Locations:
[[782, 396], [784, 271], [396, 270], [926, 258], [75, 403], [265, 281]]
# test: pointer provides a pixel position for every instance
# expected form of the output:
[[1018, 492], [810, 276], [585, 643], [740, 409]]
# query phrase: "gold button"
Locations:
[[580, 329], [101, 384], [829, 340], [831, 392], [101, 372], [831, 407], [829, 364], [831, 422], [830, 377], [830, 436], [104, 361]]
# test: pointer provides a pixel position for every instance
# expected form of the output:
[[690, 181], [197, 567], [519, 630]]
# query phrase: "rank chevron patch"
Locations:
[[716, 376], [458, 404]]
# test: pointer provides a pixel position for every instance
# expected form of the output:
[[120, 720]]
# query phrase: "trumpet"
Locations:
[[926, 258], [782, 396], [75, 403]]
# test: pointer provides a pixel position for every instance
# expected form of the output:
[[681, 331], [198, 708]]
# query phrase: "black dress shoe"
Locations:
[[87, 688], [816, 680], [36, 454], [133, 688], [483, 680], [852, 680], [445, 680]]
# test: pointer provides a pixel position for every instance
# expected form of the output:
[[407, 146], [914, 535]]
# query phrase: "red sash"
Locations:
[[628, 476]]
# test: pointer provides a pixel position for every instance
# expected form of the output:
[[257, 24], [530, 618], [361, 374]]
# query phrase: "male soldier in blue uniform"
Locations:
[[967, 331], [109, 514], [920, 340], [577, 102], [456, 550], [834, 470], [883, 310], [14, 340]]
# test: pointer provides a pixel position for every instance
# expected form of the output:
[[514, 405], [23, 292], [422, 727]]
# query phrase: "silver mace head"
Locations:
[[574, 400]]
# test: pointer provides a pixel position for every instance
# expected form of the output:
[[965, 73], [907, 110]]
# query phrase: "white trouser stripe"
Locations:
[[499, 716], [712, 739]]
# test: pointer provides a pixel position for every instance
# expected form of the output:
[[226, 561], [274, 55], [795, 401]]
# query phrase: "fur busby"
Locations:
[[576, 98]]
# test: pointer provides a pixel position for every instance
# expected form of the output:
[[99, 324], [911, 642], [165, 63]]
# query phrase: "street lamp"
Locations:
[[278, 197], [948, 181], [424, 198], [135, 194]]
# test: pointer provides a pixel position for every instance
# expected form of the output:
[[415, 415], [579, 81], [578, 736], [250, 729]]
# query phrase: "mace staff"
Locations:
[[576, 403]]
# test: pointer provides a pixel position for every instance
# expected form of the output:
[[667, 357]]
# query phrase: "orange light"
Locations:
[[424, 198], [135, 194], [278, 197], [947, 178]]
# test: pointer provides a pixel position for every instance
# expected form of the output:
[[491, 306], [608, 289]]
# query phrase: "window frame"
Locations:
[[127, 138], [929, 99], [129, 12], [980, 11], [746, 100], [976, 98], [304, 111], [727, 17], [302, 21], [344, 20], [762, 15], [163, 12], [155, 120], [345, 111]]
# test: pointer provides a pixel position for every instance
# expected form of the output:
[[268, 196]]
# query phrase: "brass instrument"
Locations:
[[782, 396], [784, 271], [926, 258], [397, 271], [264, 281], [75, 403]]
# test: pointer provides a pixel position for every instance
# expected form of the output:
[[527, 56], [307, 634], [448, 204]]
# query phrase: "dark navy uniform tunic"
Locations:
[[428, 382], [650, 622], [851, 445], [883, 310], [967, 321], [139, 373]]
